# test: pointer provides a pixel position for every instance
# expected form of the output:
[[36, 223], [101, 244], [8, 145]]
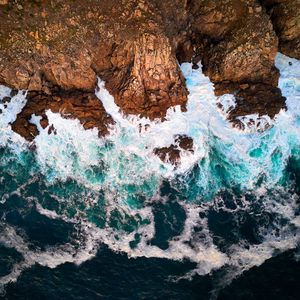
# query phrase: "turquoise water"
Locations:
[[78, 200]]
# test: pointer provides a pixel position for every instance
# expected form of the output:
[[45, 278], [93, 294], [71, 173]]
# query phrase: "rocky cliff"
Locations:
[[56, 49]]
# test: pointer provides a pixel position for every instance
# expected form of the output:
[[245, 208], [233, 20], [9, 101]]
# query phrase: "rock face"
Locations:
[[172, 153], [215, 19], [285, 15], [144, 76], [135, 46], [252, 99], [68, 43], [241, 52], [242, 43], [246, 55], [83, 106]]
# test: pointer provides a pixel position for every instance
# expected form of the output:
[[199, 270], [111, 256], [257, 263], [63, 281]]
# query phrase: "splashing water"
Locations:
[[231, 204]]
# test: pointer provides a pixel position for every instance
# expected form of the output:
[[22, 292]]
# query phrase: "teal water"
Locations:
[[105, 218]]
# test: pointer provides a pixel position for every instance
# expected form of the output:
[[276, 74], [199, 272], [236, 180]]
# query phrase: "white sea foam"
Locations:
[[134, 140], [51, 257], [67, 152], [9, 111], [203, 252]]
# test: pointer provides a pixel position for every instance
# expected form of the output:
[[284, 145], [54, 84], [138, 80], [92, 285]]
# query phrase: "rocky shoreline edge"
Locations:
[[56, 50]]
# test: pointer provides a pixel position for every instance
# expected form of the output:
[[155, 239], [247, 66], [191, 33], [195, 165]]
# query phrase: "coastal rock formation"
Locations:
[[172, 153], [252, 99], [215, 19], [235, 31], [285, 16], [57, 70], [85, 107], [239, 57], [246, 55], [68, 44], [135, 47], [143, 76]]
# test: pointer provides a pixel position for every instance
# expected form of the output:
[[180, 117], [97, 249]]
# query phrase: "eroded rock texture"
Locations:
[[252, 99], [85, 107], [172, 153], [135, 46], [285, 15], [143, 75], [130, 44], [239, 57]]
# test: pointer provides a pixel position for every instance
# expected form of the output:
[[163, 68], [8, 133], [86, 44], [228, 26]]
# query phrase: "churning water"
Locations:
[[81, 208]]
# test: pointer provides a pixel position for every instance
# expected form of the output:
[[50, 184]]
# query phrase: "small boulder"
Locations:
[[172, 153]]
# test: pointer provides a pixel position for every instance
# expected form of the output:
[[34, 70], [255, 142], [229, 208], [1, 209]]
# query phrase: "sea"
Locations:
[[83, 217]]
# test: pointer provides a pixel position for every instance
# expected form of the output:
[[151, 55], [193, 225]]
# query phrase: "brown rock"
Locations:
[[17, 77], [71, 74], [172, 153], [84, 106], [285, 16], [246, 55], [143, 75], [131, 45], [216, 18], [134, 46], [240, 56], [257, 98], [6, 100], [184, 51]]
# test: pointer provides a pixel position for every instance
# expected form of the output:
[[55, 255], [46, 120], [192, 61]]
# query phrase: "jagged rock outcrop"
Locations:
[[85, 107], [239, 57], [172, 153], [252, 99], [140, 67], [131, 45], [285, 16], [215, 19], [135, 46], [143, 76], [69, 73], [246, 55]]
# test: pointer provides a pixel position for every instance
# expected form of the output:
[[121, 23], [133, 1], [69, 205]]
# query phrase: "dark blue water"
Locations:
[[111, 275]]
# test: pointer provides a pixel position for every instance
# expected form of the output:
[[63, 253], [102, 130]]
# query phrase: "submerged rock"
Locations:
[[172, 153]]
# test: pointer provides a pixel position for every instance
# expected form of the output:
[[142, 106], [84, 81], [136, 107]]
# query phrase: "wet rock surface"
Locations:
[[255, 99], [285, 16], [239, 57], [172, 153], [85, 107]]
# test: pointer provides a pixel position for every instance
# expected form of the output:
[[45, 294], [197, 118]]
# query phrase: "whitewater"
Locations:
[[109, 189]]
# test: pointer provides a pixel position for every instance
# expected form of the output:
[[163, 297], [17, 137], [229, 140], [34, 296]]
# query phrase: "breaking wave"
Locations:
[[229, 205]]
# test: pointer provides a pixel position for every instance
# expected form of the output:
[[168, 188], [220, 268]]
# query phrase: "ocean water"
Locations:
[[84, 217]]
